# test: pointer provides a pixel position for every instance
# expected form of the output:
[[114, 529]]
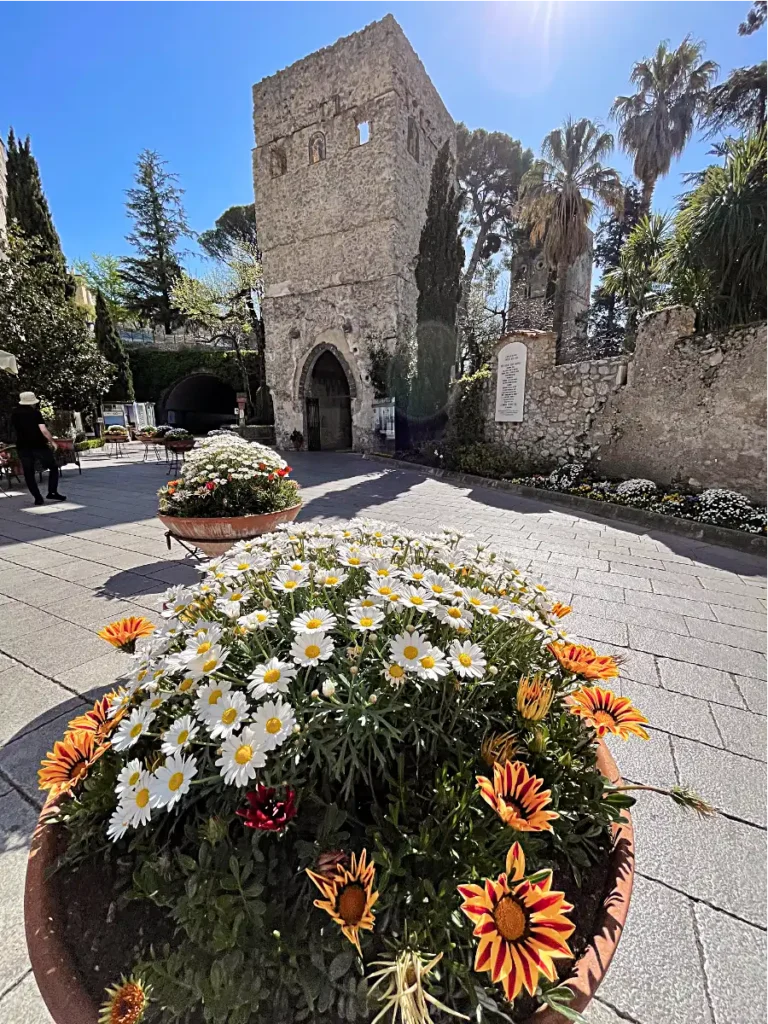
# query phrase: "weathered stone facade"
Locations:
[[682, 408], [346, 139]]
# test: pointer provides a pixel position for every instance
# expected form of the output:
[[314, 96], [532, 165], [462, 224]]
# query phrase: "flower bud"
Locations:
[[315, 694], [329, 688]]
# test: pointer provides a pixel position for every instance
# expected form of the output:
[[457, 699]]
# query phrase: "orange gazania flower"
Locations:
[[64, 766], [521, 926], [561, 610], [583, 661], [534, 698], [125, 1002], [517, 797], [606, 712], [98, 720], [126, 632], [349, 896]]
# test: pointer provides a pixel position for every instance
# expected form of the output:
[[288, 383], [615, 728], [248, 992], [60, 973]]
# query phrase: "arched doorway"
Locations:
[[328, 408], [200, 403]]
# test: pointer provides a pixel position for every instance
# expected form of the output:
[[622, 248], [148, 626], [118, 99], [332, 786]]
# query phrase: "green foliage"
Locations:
[[235, 230], [738, 102], [497, 461], [102, 274], [87, 445], [635, 281], [155, 370], [155, 206], [438, 278], [755, 19], [467, 422], [47, 333], [111, 347]]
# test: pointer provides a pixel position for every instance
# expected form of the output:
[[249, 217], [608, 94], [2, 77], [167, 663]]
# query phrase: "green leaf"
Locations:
[[340, 964]]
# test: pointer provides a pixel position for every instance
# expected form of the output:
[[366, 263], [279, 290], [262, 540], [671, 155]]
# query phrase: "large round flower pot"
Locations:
[[68, 1002], [216, 535]]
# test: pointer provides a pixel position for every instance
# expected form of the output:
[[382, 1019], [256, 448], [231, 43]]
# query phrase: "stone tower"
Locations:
[[345, 142]]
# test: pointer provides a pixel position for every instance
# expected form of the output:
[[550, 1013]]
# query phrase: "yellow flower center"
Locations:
[[236, 597], [454, 613], [353, 561], [476, 601], [185, 684], [243, 754], [417, 575], [289, 584], [331, 580], [274, 725], [465, 660], [204, 647], [175, 781], [410, 652], [272, 675], [436, 588], [297, 566], [142, 798], [415, 599], [214, 696], [261, 616], [314, 623], [134, 778], [385, 591], [494, 609], [351, 904], [382, 572], [210, 665], [229, 716], [509, 918], [428, 661], [182, 737], [141, 676], [396, 671], [136, 730], [603, 718], [366, 621], [243, 565], [367, 603], [312, 651]]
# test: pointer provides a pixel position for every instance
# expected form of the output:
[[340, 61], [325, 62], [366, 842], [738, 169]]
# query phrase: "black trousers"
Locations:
[[28, 457]]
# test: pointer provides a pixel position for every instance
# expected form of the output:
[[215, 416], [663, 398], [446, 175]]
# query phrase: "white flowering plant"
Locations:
[[225, 475], [336, 737]]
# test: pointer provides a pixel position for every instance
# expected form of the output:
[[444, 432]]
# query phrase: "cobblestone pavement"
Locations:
[[688, 619]]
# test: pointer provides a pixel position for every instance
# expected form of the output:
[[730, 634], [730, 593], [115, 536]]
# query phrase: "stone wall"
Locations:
[[693, 410], [561, 401], [339, 224]]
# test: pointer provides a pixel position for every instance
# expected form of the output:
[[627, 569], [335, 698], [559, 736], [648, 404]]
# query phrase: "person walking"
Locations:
[[35, 443]]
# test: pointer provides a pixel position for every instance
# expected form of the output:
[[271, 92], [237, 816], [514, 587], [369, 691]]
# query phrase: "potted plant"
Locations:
[[229, 489], [353, 763]]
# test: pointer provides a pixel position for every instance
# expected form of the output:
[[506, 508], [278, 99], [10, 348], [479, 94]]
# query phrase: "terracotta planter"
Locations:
[[216, 535], [68, 1002]]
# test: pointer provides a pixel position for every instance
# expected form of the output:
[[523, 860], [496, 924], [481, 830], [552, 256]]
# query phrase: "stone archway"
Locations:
[[326, 390], [199, 402]]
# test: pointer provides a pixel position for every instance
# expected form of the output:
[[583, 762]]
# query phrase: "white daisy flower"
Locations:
[[226, 715], [132, 728], [171, 781], [289, 580], [476, 599], [180, 734], [394, 673], [154, 702], [242, 563], [137, 801], [351, 557], [416, 574], [382, 569], [120, 700], [457, 594], [188, 683], [408, 648], [532, 619], [209, 695], [433, 665], [393, 600], [330, 578], [129, 776], [381, 588], [417, 597], [311, 648], [119, 823], [454, 615], [467, 659], [230, 601], [365, 618], [241, 756], [316, 620], [497, 608], [139, 675], [210, 661], [259, 619], [272, 677], [296, 565], [174, 601], [438, 583], [369, 601], [273, 723]]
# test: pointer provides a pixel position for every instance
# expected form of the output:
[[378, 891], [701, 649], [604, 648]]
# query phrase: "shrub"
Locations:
[[225, 475], [635, 488], [92, 442], [722, 507], [177, 434], [116, 431]]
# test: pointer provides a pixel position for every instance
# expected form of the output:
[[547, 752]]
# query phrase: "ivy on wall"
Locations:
[[467, 417], [156, 370]]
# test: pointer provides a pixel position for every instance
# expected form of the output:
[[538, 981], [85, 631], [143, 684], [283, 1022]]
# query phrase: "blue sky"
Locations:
[[94, 83]]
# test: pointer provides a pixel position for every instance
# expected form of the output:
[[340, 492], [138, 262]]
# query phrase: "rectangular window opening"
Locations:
[[363, 132]]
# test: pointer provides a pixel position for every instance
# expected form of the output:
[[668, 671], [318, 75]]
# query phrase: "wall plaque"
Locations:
[[510, 383]]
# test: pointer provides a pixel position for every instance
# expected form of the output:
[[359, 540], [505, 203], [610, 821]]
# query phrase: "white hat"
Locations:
[[28, 398]]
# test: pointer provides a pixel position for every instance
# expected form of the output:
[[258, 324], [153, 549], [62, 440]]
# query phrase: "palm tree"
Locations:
[[558, 194], [637, 280], [656, 122]]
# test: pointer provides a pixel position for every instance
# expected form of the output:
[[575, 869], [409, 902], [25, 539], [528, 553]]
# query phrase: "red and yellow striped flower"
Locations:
[[97, 720], [349, 896], [517, 797], [126, 632], [583, 661], [68, 763], [561, 610], [606, 712], [521, 926]]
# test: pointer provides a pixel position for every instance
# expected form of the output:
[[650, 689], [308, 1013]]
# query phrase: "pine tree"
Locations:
[[27, 208], [110, 345], [159, 222], [438, 277]]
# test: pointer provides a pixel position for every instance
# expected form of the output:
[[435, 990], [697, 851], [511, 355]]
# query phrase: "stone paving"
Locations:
[[688, 620]]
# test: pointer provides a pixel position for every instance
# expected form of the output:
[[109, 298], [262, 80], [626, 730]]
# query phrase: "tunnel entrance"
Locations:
[[329, 412], [200, 403]]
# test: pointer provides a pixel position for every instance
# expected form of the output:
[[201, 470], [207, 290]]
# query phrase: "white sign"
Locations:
[[510, 383]]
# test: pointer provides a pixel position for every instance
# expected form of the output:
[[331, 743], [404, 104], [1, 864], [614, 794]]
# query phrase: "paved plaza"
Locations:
[[688, 620]]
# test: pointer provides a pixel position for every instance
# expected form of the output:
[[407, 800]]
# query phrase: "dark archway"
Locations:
[[327, 400], [200, 402]]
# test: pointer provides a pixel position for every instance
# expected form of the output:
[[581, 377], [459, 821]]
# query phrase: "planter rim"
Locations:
[[225, 519], [68, 1002]]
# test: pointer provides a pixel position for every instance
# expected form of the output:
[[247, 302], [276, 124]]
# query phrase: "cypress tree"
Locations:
[[438, 277], [111, 347], [27, 208], [155, 205]]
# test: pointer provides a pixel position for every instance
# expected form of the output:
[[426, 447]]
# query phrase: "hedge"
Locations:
[[155, 370], [92, 442]]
